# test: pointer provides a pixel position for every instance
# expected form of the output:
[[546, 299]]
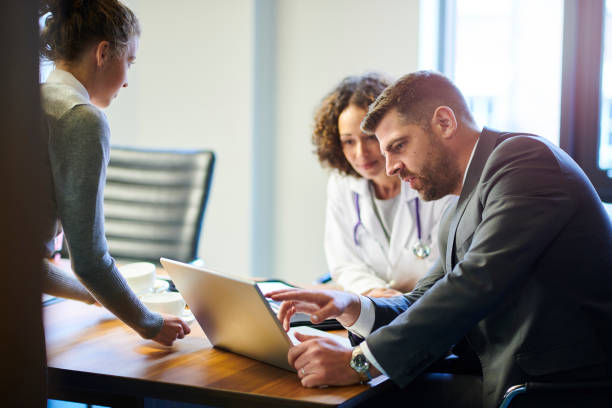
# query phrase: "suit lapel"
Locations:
[[443, 229], [486, 144]]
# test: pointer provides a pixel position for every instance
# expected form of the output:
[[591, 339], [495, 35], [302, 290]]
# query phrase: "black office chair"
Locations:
[[561, 394], [154, 202]]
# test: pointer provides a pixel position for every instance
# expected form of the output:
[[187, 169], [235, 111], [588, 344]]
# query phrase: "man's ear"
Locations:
[[102, 53], [444, 122]]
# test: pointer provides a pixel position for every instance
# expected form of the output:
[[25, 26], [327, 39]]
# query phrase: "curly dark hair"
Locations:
[[360, 91], [73, 25]]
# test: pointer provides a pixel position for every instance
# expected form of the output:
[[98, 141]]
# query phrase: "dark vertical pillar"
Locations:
[[581, 88], [22, 352]]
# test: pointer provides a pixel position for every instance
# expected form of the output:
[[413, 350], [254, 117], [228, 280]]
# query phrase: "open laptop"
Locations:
[[235, 315]]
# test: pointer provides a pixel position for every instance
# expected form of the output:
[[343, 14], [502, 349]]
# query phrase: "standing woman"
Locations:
[[92, 44], [379, 237]]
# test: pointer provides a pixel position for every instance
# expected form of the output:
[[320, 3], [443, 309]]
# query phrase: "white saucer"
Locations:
[[187, 316], [160, 285]]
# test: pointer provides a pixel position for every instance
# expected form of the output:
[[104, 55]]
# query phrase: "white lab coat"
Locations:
[[374, 262]]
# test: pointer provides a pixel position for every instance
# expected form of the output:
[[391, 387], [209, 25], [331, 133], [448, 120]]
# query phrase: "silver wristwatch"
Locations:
[[360, 364]]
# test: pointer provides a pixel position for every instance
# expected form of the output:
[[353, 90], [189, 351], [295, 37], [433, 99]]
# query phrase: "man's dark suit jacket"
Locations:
[[525, 274]]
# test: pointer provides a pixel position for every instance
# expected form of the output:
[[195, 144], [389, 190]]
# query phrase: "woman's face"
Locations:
[[361, 151], [113, 74]]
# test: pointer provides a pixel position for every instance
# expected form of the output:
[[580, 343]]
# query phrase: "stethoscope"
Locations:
[[420, 249]]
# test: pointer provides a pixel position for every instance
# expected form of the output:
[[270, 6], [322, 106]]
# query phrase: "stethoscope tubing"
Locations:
[[359, 223], [356, 227]]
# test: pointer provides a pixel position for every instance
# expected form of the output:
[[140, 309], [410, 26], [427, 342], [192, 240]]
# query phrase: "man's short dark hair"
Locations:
[[415, 97]]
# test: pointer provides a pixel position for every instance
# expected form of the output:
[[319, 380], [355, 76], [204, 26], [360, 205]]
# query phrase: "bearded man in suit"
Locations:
[[525, 277]]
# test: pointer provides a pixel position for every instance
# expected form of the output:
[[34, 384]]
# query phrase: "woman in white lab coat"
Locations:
[[380, 238]]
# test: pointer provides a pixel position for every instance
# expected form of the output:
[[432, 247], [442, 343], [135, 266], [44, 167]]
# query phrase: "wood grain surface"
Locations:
[[87, 347]]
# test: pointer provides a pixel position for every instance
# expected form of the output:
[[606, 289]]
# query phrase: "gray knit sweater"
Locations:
[[78, 146]]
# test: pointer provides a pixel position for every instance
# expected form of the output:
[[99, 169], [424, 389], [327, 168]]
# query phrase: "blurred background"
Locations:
[[244, 77]]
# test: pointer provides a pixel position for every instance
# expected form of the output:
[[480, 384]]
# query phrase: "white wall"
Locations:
[[319, 43], [192, 86]]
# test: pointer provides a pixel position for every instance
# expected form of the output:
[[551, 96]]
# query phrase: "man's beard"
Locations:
[[440, 175]]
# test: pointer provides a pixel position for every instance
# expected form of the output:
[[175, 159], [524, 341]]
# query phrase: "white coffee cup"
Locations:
[[165, 302], [140, 276]]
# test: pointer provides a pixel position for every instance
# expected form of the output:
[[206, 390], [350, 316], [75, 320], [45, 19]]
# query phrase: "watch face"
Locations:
[[360, 363]]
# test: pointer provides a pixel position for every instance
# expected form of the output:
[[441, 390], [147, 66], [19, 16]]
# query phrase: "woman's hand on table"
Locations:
[[173, 328]]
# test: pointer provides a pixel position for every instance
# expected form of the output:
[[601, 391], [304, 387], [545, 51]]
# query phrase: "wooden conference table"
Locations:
[[93, 357]]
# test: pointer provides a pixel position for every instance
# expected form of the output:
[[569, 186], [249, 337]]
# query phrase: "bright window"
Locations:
[[46, 66], [605, 137], [506, 57]]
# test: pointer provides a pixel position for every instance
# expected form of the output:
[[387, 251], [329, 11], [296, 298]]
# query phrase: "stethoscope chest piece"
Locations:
[[421, 250]]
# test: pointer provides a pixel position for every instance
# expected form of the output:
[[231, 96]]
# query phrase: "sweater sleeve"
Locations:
[[58, 282], [79, 153]]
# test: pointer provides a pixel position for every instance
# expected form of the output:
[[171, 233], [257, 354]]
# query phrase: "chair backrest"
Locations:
[[585, 394], [154, 202]]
